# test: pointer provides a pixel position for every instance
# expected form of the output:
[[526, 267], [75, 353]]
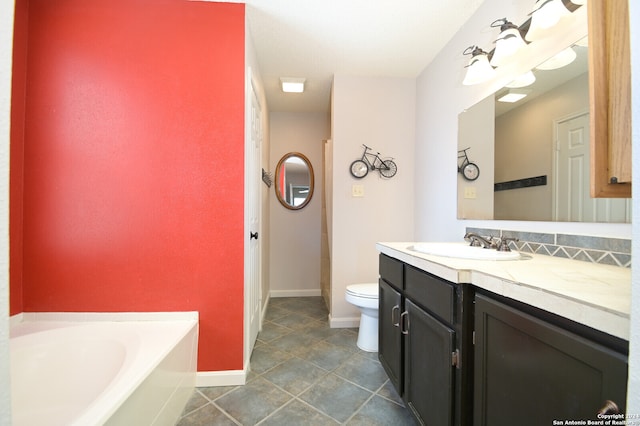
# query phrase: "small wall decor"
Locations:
[[267, 178], [370, 161], [470, 171]]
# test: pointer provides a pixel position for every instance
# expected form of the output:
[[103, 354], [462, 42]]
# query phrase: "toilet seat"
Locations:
[[365, 291]]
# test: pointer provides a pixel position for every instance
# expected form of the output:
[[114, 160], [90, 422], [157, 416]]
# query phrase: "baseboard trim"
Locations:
[[294, 293], [221, 378], [348, 322]]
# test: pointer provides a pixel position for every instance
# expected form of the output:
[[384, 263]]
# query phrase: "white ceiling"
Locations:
[[316, 39]]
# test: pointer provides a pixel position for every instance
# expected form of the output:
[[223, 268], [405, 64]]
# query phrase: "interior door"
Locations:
[[573, 201], [252, 296]]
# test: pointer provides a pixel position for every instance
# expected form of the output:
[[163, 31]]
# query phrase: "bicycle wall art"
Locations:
[[470, 171], [370, 161]]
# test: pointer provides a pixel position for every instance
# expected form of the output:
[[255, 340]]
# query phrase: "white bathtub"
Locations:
[[91, 370]]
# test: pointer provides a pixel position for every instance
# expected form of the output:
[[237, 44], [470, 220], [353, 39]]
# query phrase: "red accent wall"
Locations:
[[134, 163]]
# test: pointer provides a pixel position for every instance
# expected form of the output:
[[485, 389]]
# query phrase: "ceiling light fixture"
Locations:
[[526, 79], [513, 96], [559, 60], [292, 85], [546, 14], [478, 70], [508, 43]]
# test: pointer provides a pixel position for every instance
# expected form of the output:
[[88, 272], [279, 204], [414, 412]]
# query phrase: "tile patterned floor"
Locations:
[[303, 373]]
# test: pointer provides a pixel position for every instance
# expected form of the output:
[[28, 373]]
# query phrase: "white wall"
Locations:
[[441, 97], [633, 393], [294, 247], [378, 112], [6, 47]]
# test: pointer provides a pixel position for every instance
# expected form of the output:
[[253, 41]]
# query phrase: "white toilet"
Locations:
[[365, 297]]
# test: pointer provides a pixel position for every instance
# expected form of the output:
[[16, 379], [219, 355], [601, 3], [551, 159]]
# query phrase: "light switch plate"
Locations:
[[469, 192], [357, 191]]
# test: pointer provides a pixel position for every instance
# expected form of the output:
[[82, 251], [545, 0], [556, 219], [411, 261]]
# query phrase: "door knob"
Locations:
[[253, 235]]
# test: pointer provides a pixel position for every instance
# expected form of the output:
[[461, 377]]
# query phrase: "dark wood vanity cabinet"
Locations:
[[531, 371], [389, 335], [422, 342]]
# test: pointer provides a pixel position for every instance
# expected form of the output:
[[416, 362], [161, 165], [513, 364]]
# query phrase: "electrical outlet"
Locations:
[[357, 191], [470, 192]]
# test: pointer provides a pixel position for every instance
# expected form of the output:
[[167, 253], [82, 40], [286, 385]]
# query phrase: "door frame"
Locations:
[[250, 93]]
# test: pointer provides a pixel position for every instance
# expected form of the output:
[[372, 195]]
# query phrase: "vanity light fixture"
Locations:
[[292, 85], [546, 14], [526, 79], [513, 96], [508, 43], [478, 69], [583, 42], [559, 60]]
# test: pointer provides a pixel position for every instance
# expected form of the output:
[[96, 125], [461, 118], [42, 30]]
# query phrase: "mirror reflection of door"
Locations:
[[294, 181], [573, 201]]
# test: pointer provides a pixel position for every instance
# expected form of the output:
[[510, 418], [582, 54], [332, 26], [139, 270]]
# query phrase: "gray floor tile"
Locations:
[[336, 397], [271, 331], [294, 375], [293, 343], [297, 353], [214, 392], [298, 414], [264, 358], [293, 321], [325, 355], [253, 402], [275, 312], [381, 412], [196, 401], [346, 338], [389, 392], [363, 371], [206, 416]]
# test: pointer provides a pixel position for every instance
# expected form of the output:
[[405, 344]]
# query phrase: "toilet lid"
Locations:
[[369, 291]]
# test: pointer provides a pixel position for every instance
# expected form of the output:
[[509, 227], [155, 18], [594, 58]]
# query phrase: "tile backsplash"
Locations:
[[608, 251]]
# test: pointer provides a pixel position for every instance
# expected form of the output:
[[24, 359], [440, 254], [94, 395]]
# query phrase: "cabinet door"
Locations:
[[429, 374], [610, 98], [530, 372], [389, 336]]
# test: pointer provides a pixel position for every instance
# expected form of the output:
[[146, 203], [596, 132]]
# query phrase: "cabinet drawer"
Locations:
[[391, 270], [430, 292]]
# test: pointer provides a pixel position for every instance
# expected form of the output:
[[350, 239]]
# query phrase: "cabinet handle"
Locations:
[[404, 328], [394, 313], [610, 407]]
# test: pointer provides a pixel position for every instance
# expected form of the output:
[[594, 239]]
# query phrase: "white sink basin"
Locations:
[[464, 251]]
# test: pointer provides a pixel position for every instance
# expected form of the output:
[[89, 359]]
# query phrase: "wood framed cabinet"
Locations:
[[531, 371], [423, 342], [610, 98]]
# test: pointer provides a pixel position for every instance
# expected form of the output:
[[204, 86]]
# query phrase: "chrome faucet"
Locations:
[[478, 241], [500, 244]]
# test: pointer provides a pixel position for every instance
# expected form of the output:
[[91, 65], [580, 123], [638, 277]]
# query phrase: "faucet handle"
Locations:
[[475, 242], [503, 244]]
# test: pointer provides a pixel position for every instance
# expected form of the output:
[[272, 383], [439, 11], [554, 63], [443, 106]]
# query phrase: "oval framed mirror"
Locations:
[[294, 181]]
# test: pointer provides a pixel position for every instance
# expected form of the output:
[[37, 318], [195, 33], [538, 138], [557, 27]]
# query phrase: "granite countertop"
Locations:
[[595, 295]]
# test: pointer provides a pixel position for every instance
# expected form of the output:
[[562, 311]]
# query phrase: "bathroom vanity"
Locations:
[[523, 341]]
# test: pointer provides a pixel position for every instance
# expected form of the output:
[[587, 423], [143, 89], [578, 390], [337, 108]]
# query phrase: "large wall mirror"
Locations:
[[534, 153], [294, 181]]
